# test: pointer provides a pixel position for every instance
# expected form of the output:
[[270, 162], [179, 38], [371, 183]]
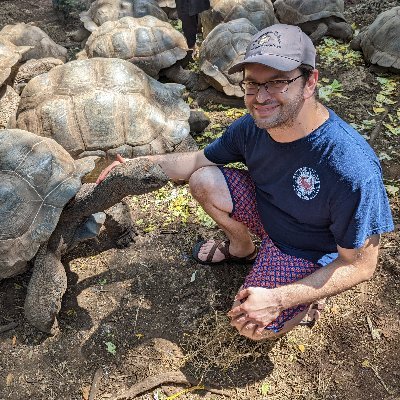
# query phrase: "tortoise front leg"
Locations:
[[45, 291]]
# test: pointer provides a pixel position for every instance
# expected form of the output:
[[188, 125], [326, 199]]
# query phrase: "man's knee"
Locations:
[[205, 181]]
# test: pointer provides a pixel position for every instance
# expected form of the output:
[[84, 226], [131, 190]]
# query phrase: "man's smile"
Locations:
[[265, 109]]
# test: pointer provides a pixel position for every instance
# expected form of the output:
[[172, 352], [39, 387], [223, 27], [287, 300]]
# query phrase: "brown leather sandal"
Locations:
[[223, 247], [314, 313]]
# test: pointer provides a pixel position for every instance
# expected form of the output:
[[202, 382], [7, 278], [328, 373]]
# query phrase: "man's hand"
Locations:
[[106, 171], [261, 306]]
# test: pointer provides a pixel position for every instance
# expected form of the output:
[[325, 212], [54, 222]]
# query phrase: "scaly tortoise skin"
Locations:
[[45, 211]]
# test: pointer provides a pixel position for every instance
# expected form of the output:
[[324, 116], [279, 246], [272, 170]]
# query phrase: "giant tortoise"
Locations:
[[380, 42], [259, 12], [102, 11], [104, 106], [147, 42], [225, 46], [38, 179], [317, 18], [29, 35]]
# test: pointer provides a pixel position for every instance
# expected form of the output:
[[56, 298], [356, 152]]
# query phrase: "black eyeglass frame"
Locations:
[[242, 85]]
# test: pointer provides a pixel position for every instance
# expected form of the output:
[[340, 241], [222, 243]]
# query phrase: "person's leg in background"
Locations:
[[189, 27]]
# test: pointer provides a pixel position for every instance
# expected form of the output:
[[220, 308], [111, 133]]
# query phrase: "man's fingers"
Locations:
[[242, 294], [250, 327], [236, 311], [239, 322], [106, 171], [120, 158], [260, 330]]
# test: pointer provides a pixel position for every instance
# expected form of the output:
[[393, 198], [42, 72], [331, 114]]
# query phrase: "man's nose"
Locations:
[[262, 94]]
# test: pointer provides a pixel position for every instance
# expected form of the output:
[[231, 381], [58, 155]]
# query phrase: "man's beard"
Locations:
[[285, 118]]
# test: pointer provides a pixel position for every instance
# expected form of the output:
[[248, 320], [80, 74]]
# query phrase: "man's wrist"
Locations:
[[280, 298]]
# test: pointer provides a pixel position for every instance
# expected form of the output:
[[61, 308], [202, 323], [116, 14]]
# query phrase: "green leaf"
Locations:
[[111, 348], [265, 388], [384, 156], [392, 190]]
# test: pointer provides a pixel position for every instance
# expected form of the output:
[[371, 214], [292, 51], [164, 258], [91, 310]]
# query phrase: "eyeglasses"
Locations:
[[272, 87]]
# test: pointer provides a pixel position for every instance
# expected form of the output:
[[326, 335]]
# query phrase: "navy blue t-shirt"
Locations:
[[314, 193]]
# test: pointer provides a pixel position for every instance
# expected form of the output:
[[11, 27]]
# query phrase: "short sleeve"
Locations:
[[364, 212], [230, 146]]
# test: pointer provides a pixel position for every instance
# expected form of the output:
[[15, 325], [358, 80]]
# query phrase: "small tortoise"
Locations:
[[29, 35], [38, 179], [147, 42], [104, 106], [317, 18], [111, 10], [259, 12], [380, 41], [225, 46]]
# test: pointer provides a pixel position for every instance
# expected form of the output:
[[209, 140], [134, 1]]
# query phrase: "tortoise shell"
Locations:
[[380, 41], [41, 44], [104, 105], [296, 12], [225, 46], [259, 12], [147, 42], [38, 177], [102, 11]]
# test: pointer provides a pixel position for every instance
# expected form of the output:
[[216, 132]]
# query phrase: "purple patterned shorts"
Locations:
[[272, 267]]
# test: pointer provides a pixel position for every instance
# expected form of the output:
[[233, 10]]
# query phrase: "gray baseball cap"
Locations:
[[280, 46]]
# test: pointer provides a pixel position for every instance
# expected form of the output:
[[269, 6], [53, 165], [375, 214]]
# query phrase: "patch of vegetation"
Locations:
[[327, 89], [174, 205], [213, 132], [380, 110], [69, 6], [332, 51]]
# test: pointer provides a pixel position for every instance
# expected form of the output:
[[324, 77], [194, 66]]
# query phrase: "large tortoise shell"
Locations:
[[147, 42], [105, 105]]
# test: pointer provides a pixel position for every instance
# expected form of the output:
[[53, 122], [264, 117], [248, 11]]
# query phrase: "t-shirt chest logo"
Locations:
[[306, 183]]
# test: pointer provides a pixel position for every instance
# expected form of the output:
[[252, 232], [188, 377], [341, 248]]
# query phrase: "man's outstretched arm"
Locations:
[[352, 267], [177, 166]]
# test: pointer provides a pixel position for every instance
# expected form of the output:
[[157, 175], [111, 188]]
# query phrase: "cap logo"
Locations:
[[270, 39]]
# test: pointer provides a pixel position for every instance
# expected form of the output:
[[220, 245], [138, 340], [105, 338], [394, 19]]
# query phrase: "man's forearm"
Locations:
[[180, 166], [332, 279]]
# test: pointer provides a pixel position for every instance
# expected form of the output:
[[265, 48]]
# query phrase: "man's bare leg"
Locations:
[[209, 188]]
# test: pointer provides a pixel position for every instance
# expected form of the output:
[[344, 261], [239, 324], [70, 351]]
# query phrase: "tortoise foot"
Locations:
[[45, 291]]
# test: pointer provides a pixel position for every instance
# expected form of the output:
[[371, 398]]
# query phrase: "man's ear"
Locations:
[[311, 84]]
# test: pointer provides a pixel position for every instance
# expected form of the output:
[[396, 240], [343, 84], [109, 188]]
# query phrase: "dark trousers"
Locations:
[[189, 27]]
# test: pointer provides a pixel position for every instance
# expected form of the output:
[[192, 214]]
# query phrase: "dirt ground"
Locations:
[[149, 316]]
